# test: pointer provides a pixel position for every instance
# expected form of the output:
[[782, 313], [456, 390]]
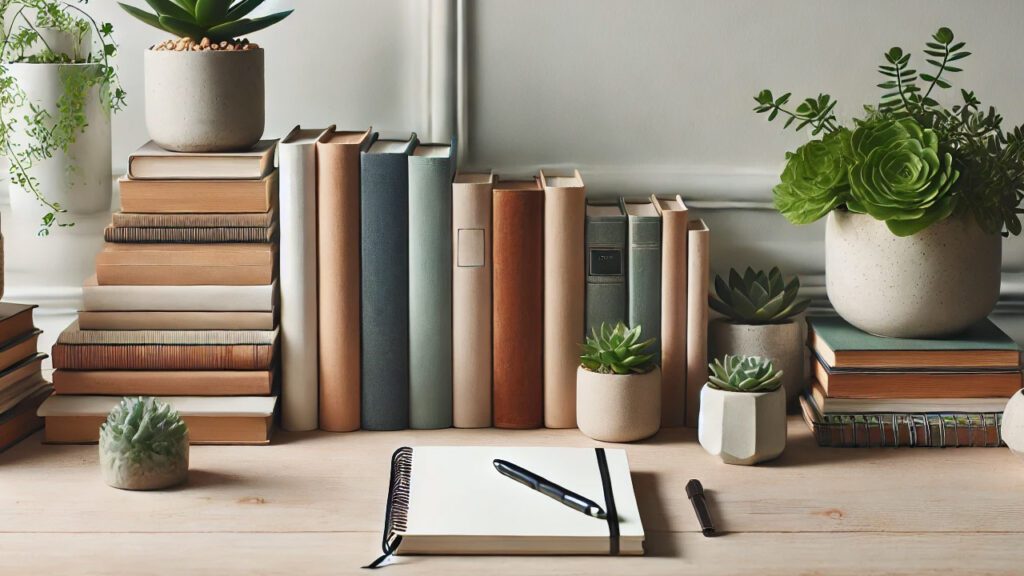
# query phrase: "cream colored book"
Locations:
[[452, 500], [674, 273], [96, 298], [698, 270], [182, 320]]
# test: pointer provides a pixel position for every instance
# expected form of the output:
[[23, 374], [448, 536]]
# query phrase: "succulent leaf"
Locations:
[[744, 374], [218, 20], [616, 351], [756, 297]]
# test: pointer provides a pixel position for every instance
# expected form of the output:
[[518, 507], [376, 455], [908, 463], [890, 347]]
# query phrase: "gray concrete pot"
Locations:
[[618, 408], [204, 101], [932, 284], [783, 344]]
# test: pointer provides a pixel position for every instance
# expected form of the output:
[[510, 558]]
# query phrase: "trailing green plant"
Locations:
[[21, 42], [142, 431], [757, 297], [744, 374], [217, 20], [908, 161], [617, 350]]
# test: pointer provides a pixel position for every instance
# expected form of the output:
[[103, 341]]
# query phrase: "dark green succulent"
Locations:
[[218, 20], [617, 351], [815, 180], [744, 374], [757, 297]]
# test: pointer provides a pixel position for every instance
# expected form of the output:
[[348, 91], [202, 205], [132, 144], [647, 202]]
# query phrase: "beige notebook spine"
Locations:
[[564, 292], [338, 271], [698, 269], [471, 300], [674, 289]]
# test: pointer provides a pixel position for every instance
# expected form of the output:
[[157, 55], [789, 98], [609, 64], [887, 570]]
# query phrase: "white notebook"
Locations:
[[451, 500]]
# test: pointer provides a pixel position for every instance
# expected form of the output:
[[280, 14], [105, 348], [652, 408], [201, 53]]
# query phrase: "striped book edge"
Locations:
[[170, 220], [192, 235], [162, 357], [74, 336]]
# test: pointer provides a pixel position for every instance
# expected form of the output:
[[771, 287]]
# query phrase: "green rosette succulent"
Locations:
[[617, 350], [744, 374], [900, 176], [815, 180]]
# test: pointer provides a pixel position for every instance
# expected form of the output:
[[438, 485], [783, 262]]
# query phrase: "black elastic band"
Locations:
[[609, 503], [389, 551]]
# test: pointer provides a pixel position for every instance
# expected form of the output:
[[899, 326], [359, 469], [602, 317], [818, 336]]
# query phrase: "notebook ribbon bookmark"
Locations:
[[609, 503]]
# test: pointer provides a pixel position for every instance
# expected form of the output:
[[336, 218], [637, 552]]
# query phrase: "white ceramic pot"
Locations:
[[1012, 430], [935, 283], [742, 427], [204, 101], [78, 180], [154, 473], [618, 408], [783, 344]]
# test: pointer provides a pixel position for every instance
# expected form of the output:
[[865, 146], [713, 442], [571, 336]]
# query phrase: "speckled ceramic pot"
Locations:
[[742, 427], [618, 408], [932, 284], [1013, 424], [783, 344]]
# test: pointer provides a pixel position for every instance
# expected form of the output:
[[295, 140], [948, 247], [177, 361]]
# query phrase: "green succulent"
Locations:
[[144, 432], [744, 374], [815, 180], [617, 351], [218, 20], [757, 297]]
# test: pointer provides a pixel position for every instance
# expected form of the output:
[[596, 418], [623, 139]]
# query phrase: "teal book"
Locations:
[[431, 169], [643, 276], [606, 264], [840, 345]]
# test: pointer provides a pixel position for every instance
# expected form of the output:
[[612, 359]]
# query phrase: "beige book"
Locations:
[[674, 274], [175, 320], [564, 293], [698, 269], [338, 186], [98, 298], [198, 196], [471, 300], [186, 264], [151, 161], [164, 383], [210, 419]]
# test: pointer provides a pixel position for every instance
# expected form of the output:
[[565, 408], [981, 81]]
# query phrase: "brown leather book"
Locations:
[[15, 321], [518, 304], [674, 274], [164, 383], [186, 264], [698, 270], [198, 196], [18, 349], [22, 421], [338, 276], [564, 292]]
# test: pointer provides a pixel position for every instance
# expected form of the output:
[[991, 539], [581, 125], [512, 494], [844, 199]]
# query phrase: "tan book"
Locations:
[[217, 220], [198, 196], [185, 264], [210, 419], [902, 383], [674, 274], [154, 235], [338, 175], [153, 162], [471, 300], [15, 321], [16, 350], [175, 320], [564, 292], [163, 383], [698, 270]]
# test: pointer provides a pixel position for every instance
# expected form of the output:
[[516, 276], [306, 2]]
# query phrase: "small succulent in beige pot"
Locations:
[[762, 316], [143, 445], [743, 410], [618, 386]]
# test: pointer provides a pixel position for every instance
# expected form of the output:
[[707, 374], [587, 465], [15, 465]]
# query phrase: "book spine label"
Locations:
[[179, 298], [564, 294], [644, 278], [384, 217], [698, 268], [518, 308], [148, 357], [430, 292], [297, 281], [673, 318], [471, 305], [338, 277], [606, 272]]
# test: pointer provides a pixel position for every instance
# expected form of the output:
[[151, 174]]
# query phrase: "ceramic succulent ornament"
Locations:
[[143, 445]]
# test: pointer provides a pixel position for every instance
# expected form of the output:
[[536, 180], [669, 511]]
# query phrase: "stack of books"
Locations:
[[22, 386], [182, 303], [874, 391]]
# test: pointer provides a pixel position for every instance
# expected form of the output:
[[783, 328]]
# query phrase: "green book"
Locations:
[[981, 346]]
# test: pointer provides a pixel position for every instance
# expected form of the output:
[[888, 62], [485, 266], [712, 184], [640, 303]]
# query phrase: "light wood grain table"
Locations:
[[313, 503]]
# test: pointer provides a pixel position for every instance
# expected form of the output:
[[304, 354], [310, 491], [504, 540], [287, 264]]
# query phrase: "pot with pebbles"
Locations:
[[227, 111]]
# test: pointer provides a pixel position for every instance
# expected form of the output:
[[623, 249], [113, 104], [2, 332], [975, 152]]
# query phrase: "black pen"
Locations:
[[695, 491], [550, 489]]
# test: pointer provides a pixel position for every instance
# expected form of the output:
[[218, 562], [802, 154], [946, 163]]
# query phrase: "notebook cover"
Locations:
[[430, 285], [152, 161], [518, 304], [643, 278], [152, 235], [198, 196], [338, 277], [384, 250], [564, 293], [675, 220], [178, 298], [698, 271], [471, 300], [164, 383], [606, 259]]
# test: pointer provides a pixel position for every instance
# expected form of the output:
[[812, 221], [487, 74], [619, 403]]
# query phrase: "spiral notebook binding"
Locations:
[[396, 517]]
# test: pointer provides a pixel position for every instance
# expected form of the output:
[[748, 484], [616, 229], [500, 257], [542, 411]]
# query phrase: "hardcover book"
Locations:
[[186, 264], [643, 278], [179, 320], [96, 298], [15, 321], [606, 231], [213, 220], [829, 406], [698, 272], [21, 347], [198, 196], [20, 381], [902, 383], [21, 420], [675, 224], [384, 251], [153, 162], [153, 235], [164, 383]]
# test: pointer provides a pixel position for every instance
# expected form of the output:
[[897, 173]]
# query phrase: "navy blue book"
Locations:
[[384, 252]]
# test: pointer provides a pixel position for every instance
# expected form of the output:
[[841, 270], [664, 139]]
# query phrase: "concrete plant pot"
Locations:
[[742, 427], [935, 283], [783, 344], [157, 473], [618, 408], [205, 101], [1013, 424]]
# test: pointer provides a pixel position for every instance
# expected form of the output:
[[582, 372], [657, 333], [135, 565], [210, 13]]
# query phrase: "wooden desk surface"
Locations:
[[313, 503]]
